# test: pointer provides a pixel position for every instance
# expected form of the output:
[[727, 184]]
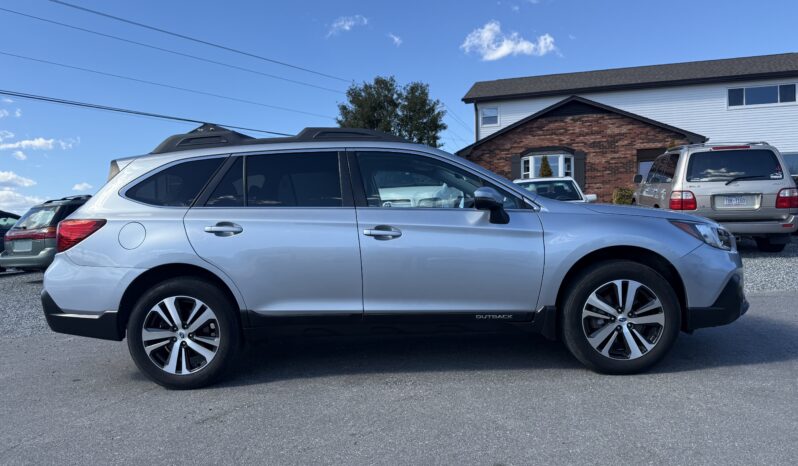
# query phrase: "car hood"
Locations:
[[612, 209]]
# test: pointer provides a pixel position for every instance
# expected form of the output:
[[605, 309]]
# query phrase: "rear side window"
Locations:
[[725, 165], [230, 190], [664, 169], [176, 186], [293, 180]]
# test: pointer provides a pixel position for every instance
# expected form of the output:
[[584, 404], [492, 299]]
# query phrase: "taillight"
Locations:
[[39, 233], [72, 232], [787, 199], [683, 200]]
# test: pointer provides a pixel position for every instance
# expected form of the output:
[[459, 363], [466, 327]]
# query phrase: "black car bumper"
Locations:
[[730, 305], [102, 326]]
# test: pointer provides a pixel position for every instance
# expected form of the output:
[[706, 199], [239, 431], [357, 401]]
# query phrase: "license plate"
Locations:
[[736, 201], [22, 245]]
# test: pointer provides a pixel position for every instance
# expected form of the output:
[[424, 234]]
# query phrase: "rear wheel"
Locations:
[[183, 333], [620, 317], [766, 244]]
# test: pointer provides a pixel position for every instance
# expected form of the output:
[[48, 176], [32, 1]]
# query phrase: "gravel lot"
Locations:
[[724, 396]]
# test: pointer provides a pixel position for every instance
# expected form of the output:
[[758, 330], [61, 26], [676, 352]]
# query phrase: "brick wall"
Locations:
[[609, 141]]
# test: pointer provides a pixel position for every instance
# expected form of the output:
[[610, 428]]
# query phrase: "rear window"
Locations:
[[559, 190], [725, 165], [37, 217], [176, 186]]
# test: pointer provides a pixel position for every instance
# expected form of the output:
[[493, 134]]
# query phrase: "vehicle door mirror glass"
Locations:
[[487, 198], [638, 179], [592, 197]]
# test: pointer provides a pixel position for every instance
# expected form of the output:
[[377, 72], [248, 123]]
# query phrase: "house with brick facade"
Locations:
[[603, 127]]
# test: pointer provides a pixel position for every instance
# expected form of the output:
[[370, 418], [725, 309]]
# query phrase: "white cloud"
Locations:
[[35, 144], [515, 8], [6, 100], [347, 23], [8, 179], [3, 113], [82, 187], [13, 201], [18, 113], [19, 155], [492, 44], [5, 135], [397, 41]]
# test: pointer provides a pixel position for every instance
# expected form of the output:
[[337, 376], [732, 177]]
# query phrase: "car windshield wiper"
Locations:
[[749, 177]]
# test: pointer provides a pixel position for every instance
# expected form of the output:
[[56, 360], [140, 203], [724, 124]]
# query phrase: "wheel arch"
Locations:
[[630, 253], [158, 274]]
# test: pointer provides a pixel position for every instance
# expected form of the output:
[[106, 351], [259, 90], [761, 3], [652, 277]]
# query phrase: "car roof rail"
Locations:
[[69, 198], [210, 135]]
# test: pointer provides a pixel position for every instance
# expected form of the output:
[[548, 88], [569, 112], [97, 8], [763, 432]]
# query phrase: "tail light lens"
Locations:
[[39, 233], [72, 232], [683, 200], [787, 199]]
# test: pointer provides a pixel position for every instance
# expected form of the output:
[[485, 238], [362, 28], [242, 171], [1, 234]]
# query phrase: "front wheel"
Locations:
[[620, 317], [183, 333]]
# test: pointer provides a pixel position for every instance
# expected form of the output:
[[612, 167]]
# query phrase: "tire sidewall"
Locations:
[[597, 275], [228, 332]]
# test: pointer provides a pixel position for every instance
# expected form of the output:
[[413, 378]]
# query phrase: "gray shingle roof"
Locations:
[[730, 69]]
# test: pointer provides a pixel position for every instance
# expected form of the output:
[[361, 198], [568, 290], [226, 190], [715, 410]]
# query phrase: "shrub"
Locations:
[[622, 196], [545, 168]]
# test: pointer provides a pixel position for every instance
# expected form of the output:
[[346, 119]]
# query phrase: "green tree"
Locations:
[[406, 111], [545, 168]]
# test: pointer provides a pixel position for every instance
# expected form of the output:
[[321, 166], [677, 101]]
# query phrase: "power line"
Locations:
[[199, 41], [457, 118], [168, 86], [174, 52], [74, 103]]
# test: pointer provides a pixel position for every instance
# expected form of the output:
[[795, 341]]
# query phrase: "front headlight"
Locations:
[[714, 236]]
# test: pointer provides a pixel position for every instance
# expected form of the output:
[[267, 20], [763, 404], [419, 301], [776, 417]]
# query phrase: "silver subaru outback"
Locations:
[[216, 238]]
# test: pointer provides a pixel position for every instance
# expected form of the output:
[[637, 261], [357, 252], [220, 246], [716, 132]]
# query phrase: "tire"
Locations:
[[652, 331], [207, 343], [766, 245]]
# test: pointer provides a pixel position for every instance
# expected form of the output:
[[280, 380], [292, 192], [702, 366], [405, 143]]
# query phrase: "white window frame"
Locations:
[[482, 118], [775, 104], [533, 160]]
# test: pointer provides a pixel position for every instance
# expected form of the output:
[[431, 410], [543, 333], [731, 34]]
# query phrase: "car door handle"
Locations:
[[224, 229], [383, 232]]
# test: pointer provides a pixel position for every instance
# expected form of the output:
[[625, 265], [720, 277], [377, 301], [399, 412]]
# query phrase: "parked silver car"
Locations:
[[745, 187], [216, 237], [563, 188]]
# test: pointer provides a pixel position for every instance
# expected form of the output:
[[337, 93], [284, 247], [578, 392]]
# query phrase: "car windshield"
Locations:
[[725, 165], [37, 217], [561, 190]]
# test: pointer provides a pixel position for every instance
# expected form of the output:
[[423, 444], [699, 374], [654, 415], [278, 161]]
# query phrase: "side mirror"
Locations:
[[591, 198], [487, 198], [638, 179]]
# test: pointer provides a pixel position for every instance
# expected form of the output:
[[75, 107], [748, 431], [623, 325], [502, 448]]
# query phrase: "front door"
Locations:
[[426, 249], [279, 226]]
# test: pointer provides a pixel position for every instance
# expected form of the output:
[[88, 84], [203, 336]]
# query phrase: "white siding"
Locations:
[[701, 109]]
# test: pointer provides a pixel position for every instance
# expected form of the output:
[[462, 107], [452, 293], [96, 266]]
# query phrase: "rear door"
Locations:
[[426, 249], [736, 184], [283, 228]]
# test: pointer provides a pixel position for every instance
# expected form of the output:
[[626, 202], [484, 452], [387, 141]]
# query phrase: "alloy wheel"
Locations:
[[180, 335], [623, 319]]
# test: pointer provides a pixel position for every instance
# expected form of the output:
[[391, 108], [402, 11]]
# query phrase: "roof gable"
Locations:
[[574, 106]]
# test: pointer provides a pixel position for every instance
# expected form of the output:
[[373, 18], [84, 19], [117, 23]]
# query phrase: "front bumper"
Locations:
[[730, 305], [41, 260], [104, 325]]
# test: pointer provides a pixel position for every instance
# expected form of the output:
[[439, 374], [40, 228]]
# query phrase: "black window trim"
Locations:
[[779, 103], [124, 189], [360, 191], [346, 188]]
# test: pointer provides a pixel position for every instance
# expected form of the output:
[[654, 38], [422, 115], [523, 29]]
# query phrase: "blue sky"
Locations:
[[49, 151]]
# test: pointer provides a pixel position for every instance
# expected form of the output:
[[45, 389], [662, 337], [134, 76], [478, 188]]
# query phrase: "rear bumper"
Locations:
[[730, 305], [38, 261], [762, 228], [104, 325]]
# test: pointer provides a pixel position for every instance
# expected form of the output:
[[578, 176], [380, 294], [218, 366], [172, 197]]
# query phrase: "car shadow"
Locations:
[[753, 340]]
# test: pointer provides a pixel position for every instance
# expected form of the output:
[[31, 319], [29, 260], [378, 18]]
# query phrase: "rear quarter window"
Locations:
[[176, 186], [725, 165]]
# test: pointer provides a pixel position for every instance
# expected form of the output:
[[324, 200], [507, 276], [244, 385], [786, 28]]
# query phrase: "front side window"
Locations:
[[490, 116], [176, 186], [415, 181], [293, 180], [726, 165], [761, 95]]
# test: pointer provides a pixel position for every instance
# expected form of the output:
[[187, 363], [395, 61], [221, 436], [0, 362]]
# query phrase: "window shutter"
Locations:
[[579, 168], [515, 167]]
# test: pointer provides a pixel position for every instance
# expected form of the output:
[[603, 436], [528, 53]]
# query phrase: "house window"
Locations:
[[761, 95], [561, 165], [490, 116]]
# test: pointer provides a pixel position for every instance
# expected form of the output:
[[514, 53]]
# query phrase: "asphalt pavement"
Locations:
[[726, 395]]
